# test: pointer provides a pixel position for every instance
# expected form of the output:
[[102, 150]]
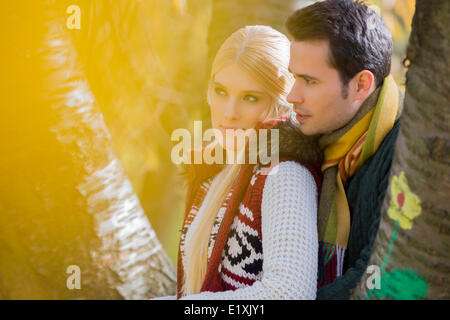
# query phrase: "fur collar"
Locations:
[[293, 145], [297, 146]]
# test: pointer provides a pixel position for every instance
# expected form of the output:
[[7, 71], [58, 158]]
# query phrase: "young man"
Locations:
[[341, 59]]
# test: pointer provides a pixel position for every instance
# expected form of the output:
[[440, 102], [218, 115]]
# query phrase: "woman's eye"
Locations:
[[250, 98], [220, 91]]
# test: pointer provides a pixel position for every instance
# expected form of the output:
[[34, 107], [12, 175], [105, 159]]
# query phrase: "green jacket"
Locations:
[[365, 194]]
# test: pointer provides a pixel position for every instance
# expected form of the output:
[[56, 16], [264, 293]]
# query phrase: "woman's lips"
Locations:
[[229, 128]]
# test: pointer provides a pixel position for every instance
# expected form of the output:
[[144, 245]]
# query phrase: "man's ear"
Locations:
[[364, 85]]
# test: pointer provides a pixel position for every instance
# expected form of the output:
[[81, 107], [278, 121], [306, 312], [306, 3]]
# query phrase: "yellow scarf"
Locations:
[[348, 153]]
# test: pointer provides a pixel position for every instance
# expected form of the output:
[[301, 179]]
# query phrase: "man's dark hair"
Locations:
[[358, 37]]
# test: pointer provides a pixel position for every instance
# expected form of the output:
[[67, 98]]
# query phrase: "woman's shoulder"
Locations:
[[285, 176], [289, 171], [289, 190], [285, 167]]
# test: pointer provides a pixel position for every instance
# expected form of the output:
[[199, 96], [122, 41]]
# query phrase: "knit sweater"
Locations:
[[272, 250], [293, 145]]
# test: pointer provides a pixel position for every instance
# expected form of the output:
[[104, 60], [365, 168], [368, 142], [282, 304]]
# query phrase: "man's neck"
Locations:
[[365, 107]]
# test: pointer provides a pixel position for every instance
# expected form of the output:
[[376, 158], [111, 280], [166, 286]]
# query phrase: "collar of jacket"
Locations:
[[292, 144]]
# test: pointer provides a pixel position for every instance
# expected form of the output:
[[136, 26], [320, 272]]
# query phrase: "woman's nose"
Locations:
[[231, 112]]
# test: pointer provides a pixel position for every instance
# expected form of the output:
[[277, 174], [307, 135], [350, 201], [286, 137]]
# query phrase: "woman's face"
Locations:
[[237, 101]]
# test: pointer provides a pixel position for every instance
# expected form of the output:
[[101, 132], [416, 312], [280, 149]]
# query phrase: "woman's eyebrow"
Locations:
[[246, 91], [254, 91], [218, 83]]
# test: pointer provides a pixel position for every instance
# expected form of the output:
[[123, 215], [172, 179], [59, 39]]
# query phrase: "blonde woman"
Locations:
[[248, 234]]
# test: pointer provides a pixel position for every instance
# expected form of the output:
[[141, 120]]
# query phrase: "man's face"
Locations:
[[317, 94]]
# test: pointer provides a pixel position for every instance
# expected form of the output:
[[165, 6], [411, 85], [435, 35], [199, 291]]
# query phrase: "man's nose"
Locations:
[[295, 96]]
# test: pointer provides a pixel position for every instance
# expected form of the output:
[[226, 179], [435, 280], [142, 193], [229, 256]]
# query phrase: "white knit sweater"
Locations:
[[289, 240]]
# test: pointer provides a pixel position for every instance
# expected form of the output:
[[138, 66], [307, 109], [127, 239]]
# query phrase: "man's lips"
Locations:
[[301, 117]]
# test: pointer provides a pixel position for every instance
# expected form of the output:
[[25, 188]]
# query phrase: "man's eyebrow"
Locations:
[[304, 76]]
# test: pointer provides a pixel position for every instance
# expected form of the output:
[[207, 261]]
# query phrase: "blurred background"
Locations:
[[111, 92]]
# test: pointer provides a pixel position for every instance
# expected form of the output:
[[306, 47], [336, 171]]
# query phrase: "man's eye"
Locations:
[[220, 91], [250, 98], [309, 81]]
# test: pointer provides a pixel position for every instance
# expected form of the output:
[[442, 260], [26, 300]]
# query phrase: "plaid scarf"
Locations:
[[345, 151]]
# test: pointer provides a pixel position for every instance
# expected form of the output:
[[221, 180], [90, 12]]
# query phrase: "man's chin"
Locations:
[[306, 130]]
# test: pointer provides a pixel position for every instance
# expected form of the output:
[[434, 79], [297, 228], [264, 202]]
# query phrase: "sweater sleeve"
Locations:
[[289, 239]]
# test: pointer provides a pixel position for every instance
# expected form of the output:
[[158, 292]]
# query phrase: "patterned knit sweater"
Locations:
[[271, 249]]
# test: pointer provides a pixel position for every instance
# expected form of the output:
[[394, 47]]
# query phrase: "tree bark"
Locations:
[[415, 262], [65, 199], [145, 61]]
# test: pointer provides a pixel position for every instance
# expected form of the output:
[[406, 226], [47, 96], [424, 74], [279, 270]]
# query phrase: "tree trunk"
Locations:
[[145, 62], [411, 247], [65, 199]]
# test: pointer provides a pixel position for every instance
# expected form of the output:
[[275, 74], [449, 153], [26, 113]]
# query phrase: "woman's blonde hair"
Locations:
[[263, 53]]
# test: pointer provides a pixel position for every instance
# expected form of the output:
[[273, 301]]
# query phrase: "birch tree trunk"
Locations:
[[66, 203], [145, 61], [412, 245]]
